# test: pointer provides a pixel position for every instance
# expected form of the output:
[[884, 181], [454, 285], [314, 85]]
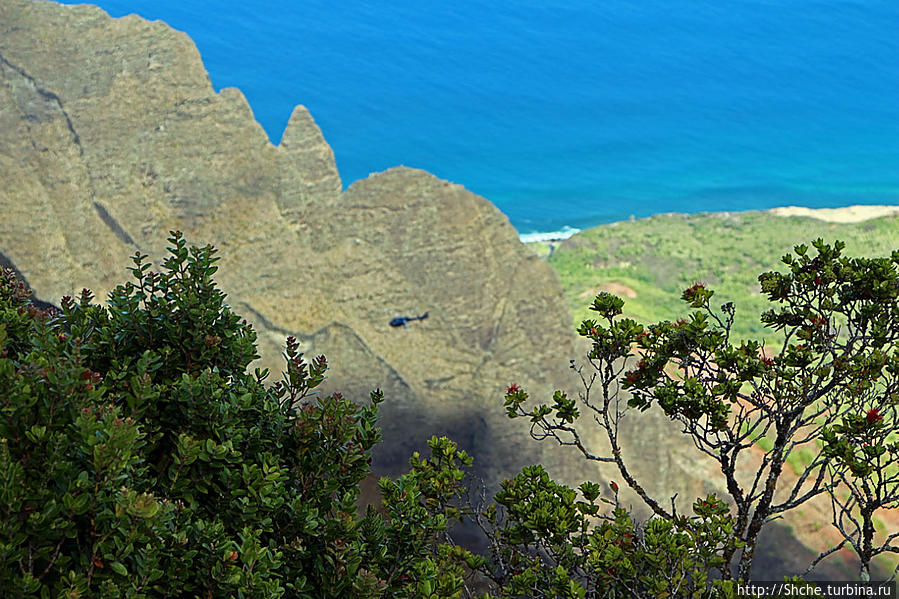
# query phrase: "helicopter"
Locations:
[[400, 321]]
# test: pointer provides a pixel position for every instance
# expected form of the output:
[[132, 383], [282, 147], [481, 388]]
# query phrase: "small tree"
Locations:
[[832, 377], [864, 466], [139, 458]]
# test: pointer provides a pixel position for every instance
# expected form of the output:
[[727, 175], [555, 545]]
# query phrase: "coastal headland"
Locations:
[[111, 135]]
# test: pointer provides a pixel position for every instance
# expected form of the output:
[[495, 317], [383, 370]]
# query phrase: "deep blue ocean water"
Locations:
[[578, 112]]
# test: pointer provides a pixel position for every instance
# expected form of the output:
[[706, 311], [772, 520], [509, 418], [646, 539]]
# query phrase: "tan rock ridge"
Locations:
[[111, 135]]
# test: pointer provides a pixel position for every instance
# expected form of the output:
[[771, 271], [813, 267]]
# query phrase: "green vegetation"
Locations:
[[658, 257], [834, 376], [139, 458]]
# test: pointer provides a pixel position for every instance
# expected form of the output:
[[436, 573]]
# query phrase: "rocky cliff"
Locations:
[[111, 135]]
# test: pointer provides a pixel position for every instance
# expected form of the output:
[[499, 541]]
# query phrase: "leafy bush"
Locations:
[[549, 544], [139, 458]]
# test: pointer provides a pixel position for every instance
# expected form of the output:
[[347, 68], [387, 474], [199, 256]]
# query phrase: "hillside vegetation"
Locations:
[[649, 262]]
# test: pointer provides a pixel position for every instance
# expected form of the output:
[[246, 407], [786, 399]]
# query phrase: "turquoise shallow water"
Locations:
[[577, 113]]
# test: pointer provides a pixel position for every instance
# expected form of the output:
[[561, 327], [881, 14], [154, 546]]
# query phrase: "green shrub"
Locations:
[[550, 544], [139, 458]]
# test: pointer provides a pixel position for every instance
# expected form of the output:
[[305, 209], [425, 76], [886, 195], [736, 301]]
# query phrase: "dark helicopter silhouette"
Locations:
[[400, 321]]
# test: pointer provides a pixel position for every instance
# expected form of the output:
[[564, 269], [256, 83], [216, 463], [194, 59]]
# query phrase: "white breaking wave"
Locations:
[[564, 233]]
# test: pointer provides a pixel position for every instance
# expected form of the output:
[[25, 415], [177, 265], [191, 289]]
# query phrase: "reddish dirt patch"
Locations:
[[612, 287]]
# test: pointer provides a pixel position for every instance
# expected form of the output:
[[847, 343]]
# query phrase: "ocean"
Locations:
[[577, 113]]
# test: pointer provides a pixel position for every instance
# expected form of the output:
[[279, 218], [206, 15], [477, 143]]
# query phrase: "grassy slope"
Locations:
[[659, 257]]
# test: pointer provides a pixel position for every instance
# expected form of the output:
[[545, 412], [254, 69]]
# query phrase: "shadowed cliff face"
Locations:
[[111, 135]]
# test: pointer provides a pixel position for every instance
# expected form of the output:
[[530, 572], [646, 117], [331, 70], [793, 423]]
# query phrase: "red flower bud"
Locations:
[[873, 416], [691, 291], [513, 388]]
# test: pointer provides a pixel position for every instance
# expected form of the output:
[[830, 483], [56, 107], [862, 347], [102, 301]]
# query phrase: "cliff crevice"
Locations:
[[47, 95]]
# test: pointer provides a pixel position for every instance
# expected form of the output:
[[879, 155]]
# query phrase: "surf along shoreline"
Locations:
[[548, 241]]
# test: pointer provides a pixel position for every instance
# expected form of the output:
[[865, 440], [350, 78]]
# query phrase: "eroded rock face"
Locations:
[[111, 135]]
